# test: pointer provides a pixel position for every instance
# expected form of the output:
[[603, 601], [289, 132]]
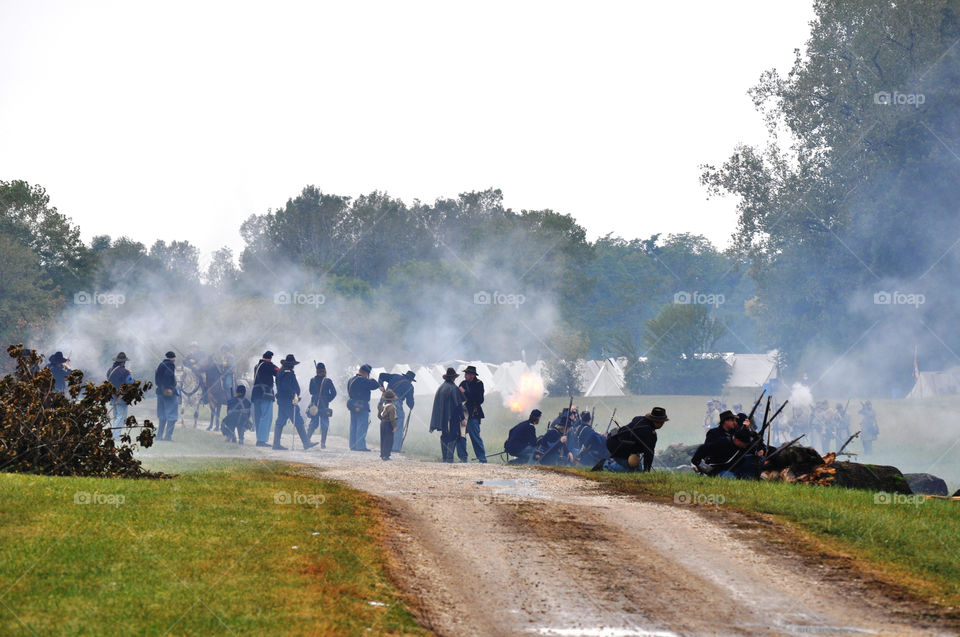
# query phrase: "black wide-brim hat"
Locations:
[[290, 360], [471, 370], [120, 358], [659, 414], [451, 374], [728, 415], [411, 376], [57, 357]]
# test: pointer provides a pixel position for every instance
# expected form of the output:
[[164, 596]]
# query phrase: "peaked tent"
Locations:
[[607, 382], [932, 384], [751, 370]]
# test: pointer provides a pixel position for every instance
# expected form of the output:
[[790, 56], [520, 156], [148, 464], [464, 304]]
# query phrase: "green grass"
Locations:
[[212, 551], [912, 543]]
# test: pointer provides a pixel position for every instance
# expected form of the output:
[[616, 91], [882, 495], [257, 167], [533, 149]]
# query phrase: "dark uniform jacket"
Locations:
[[638, 437], [358, 389], [322, 391], [551, 450], [238, 414], [264, 374], [60, 374], [593, 446], [473, 395], [401, 386], [287, 386], [521, 436], [165, 377]]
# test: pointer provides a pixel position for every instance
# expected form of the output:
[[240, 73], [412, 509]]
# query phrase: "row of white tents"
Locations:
[[599, 377]]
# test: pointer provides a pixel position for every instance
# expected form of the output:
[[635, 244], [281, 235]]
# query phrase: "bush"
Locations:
[[45, 432]]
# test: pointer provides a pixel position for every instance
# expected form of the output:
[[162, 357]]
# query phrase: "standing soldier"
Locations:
[[118, 375], [472, 390], [322, 393], [264, 376], [358, 389], [447, 416], [402, 386], [869, 426], [168, 411], [58, 367], [387, 412], [288, 399]]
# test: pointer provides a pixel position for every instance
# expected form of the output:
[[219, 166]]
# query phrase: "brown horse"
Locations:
[[216, 383]]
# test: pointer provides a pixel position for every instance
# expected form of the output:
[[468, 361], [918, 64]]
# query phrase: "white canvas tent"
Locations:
[[932, 384], [607, 382], [426, 383], [751, 370]]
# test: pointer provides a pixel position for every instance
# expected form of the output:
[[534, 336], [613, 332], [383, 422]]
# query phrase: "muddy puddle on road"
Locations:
[[518, 487]]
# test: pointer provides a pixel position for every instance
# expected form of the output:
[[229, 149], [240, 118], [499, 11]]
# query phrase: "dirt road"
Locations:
[[500, 550]]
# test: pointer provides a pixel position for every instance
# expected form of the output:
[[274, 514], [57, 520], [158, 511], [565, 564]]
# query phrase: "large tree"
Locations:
[[855, 193]]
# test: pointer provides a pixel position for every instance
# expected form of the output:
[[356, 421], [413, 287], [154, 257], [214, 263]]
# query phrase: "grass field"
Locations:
[[910, 541], [229, 546]]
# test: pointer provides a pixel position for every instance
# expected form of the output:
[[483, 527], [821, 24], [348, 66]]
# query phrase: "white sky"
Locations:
[[177, 120]]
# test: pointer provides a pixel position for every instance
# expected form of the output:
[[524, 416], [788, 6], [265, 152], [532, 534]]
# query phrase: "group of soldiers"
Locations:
[[823, 427], [569, 440]]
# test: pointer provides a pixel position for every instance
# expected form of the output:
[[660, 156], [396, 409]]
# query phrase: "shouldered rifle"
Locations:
[[755, 405]]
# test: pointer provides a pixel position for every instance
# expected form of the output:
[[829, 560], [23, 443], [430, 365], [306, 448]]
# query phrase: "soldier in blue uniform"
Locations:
[[472, 390], [522, 439], [288, 408], [58, 367], [402, 386], [264, 376], [322, 393], [118, 375], [358, 389], [165, 380]]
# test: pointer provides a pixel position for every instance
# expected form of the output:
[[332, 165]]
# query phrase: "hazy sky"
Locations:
[[178, 120]]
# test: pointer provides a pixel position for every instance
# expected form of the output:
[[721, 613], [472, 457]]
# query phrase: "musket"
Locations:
[[782, 447], [406, 427], [759, 439], [755, 405], [849, 440], [612, 421]]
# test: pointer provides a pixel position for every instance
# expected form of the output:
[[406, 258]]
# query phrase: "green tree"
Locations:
[[681, 356], [27, 302]]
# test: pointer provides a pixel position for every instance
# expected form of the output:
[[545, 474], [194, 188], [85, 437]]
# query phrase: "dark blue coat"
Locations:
[[60, 374], [119, 375], [521, 436], [447, 409], [165, 376], [401, 386], [322, 391], [359, 388], [593, 447], [552, 451], [473, 395], [238, 413], [287, 386], [264, 375]]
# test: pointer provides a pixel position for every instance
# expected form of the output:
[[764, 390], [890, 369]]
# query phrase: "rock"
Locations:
[[677, 455], [926, 484], [854, 475]]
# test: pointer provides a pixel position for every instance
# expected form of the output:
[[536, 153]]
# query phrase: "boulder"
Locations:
[[926, 484], [677, 455], [854, 475]]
